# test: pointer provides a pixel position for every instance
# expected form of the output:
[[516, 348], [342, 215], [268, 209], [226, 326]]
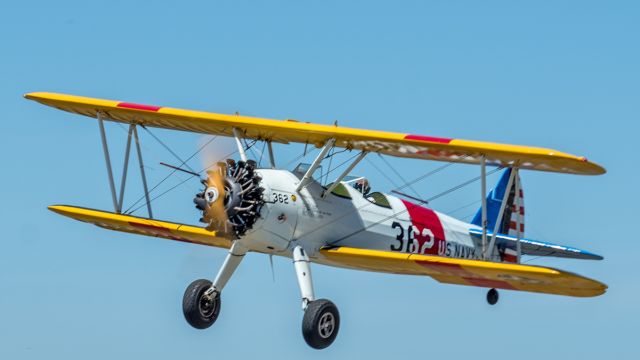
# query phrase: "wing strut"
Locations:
[[107, 159], [345, 173], [503, 205], [236, 135], [144, 177], [272, 160], [519, 216], [514, 179], [483, 196], [307, 176], [126, 167], [118, 199]]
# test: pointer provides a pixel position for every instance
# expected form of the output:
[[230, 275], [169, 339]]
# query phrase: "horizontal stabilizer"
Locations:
[[142, 226], [467, 272], [538, 248]]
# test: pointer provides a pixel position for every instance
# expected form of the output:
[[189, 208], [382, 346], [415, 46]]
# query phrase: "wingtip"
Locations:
[[598, 169], [592, 167], [35, 95], [58, 209]]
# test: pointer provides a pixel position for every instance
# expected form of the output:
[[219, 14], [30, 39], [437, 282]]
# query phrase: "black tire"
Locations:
[[199, 312], [320, 324], [492, 296]]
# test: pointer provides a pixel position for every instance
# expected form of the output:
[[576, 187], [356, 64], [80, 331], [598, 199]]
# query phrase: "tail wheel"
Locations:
[[320, 324], [200, 310], [492, 296], [242, 199]]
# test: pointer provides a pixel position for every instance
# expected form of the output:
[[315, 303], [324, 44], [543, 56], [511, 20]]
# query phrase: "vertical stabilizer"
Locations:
[[494, 201]]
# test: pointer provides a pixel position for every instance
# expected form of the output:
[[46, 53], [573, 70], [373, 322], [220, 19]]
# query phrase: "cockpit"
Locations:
[[360, 183], [363, 186]]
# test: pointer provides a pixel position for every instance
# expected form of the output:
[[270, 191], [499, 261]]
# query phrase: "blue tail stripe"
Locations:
[[494, 200]]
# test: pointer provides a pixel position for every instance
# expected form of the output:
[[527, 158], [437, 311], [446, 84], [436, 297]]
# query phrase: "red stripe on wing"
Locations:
[[497, 284], [428, 138], [159, 231], [459, 271], [134, 106]]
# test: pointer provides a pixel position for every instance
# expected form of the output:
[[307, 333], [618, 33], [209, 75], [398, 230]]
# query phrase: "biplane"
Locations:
[[244, 208]]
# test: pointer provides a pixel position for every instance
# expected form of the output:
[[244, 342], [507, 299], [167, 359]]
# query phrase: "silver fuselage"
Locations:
[[308, 219]]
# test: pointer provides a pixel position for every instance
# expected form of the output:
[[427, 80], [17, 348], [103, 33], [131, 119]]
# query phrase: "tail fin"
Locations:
[[494, 201]]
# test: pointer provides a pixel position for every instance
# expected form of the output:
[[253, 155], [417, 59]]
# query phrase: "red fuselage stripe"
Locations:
[[427, 230]]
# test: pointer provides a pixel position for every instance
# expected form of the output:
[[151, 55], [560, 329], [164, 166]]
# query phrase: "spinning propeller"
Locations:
[[232, 198]]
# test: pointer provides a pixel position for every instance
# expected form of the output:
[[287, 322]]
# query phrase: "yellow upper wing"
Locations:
[[143, 226], [467, 272], [284, 131]]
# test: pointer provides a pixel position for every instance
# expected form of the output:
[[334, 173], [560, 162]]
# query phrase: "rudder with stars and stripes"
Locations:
[[509, 221]]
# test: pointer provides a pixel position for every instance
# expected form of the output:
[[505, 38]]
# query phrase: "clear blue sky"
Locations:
[[560, 74]]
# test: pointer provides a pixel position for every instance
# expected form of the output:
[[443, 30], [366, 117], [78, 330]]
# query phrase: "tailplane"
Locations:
[[506, 237]]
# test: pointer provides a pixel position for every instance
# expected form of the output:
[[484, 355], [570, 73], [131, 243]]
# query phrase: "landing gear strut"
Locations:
[[201, 301], [492, 296], [321, 320]]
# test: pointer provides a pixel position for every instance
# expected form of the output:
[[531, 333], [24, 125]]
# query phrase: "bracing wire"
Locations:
[[342, 163], [399, 175], [168, 175], [330, 156], [395, 184], [437, 196], [264, 145], [180, 183], [299, 157], [248, 146], [474, 202], [167, 147]]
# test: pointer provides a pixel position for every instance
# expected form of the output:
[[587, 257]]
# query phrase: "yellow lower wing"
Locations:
[[467, 272], [143, 226]]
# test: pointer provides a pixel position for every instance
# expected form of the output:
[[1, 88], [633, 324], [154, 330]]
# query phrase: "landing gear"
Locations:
[[492, 296], [320, 324], [321, 320], [200, 308], [201, 301]]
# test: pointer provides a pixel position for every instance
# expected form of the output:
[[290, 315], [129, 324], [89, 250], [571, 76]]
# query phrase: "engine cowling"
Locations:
[[242, 201]]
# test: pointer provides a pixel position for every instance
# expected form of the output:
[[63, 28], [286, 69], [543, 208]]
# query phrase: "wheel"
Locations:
[[320, 324], [200, 311], [492, 296]]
